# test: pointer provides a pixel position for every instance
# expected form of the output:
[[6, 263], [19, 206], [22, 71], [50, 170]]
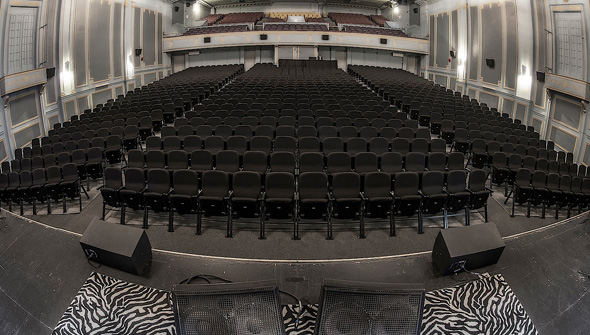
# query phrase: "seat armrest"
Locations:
[[330, 196], [229, 195], [362, 195]]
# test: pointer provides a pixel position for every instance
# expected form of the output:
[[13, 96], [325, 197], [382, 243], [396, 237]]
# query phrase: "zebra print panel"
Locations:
[[105, 305], [484, 306], [306, 319]]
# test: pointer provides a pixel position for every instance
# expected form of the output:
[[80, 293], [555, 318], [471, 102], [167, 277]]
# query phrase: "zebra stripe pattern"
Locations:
[[485, 306], [105, 305]]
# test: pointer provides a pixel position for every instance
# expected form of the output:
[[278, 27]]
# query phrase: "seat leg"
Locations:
[[362, 225], [122, 213], [170, 220], [199, 214], [296, 223], [543, 210], [528, 209], [508, 197], [329, 219], [569, 210], [420, 223], [445, 218], [513, 201], [80, 201], [34, 206], [392, 224], [262, 222], [21, 207], [48, 205], [63, 201], [230, 228], [145, 217], [556, 211], [103, 211], [467, 223], [10, 205]]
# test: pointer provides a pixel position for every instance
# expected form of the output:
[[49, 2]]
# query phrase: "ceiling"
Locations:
[[368, 3]]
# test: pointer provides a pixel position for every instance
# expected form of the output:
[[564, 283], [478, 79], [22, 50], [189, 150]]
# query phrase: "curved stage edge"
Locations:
[[42, 267]]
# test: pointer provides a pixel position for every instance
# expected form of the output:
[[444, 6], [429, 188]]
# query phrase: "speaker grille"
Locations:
[[240, 308], [361, 310]]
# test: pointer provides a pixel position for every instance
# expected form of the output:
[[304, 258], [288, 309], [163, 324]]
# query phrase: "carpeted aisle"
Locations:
[[105, 305]]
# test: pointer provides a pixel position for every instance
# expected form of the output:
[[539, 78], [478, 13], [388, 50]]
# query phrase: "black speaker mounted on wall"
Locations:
[[176, 8], [50, 72], [326, 37], [207, 40], [122, 247], [228, 308], [383, 41], [263, 37], [369, 308], [490, 62], [188, 4], [541, 76], [137, 52], [469, 247], [453, 54]]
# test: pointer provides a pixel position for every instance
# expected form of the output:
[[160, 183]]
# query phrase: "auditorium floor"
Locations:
[[42, 268]]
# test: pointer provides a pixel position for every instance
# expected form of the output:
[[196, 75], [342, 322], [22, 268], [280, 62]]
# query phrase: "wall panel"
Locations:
[[563, 139], [454, 37], [149, 78], [23, 108], [82, 103], [24, 136], [441, 80], [442, 40], [99, 54], [70, 109], [511, 70], [159, 36], [490, 99], [491, 35], [117, 43], [567, 112], [474, 43], [520, 113], [432, 41], [49, 47], [137, 33], [508, 107], [3, 155], [80, 43], [100, 97], [149, 38]]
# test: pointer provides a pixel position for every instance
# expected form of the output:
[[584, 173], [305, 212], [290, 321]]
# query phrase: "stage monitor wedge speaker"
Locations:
[[383, 41], [245, 308], [263, 37], [469, 247], [137, 52], [122, 247], [541, 76], [350, 307], [326, 37], [207, 40]]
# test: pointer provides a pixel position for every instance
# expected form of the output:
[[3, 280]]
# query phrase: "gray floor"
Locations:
[[42, 268]]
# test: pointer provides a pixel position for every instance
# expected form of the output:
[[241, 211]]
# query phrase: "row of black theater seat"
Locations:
[[44, 184], [537, 187], [231, 161], [313, 197]]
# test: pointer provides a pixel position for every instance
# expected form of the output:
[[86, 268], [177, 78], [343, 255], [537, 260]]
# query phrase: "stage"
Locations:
[[545, 263]]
